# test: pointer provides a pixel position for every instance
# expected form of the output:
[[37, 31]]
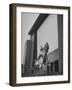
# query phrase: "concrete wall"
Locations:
[[53, 56], [48, 32], [51, 31]]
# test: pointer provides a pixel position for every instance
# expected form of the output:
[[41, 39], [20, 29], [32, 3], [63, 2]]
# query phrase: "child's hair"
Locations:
[[46, 47], [41, 48]]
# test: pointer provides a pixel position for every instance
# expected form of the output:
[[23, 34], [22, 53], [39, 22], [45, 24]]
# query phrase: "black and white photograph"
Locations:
[[39, 44]]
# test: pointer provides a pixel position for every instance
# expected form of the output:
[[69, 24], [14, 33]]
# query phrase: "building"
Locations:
[[47, 28]]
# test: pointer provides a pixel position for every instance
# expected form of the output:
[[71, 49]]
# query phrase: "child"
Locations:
[[42, 58]]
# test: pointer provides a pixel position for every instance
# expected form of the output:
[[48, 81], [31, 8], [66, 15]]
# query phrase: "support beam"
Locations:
[[38, 23]]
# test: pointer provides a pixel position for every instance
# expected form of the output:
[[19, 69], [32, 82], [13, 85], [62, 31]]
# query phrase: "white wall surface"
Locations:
[[4, 45], [48, 32]]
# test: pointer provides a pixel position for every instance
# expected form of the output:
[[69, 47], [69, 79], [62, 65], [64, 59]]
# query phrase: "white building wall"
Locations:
[[48, 32]]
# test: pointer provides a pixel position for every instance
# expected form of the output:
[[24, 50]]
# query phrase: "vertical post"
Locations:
[[60, 41]]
